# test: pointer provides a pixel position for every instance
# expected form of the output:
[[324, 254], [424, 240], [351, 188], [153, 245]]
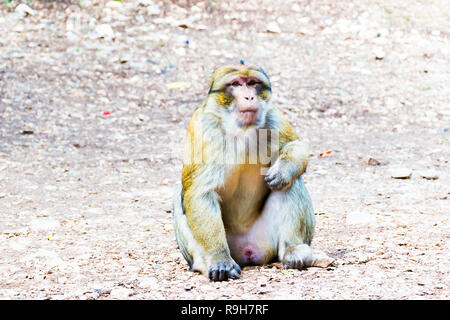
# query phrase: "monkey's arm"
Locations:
[[204, 217], [293, 156], [202, 208], [200, 179]]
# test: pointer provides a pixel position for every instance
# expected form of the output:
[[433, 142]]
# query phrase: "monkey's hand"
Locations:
[[224, 270], [281, 175]]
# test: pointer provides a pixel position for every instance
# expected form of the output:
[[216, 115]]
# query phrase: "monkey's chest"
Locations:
[[242, 197]]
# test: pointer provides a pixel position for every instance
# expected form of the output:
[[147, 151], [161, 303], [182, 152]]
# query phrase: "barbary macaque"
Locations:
[[242, 200]]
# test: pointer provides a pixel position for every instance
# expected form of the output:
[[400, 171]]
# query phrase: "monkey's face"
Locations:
[[243, 92], [247, 104]]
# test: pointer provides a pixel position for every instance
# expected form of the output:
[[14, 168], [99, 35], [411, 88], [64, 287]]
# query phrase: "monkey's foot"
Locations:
[[297, 257], [301, 256], [224, 270]]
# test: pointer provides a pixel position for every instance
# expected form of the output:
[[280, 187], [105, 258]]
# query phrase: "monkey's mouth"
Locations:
[[248, 109], [248, 116]]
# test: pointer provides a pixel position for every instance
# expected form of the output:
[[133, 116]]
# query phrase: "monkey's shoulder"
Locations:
[[202, 116], [275, 120]]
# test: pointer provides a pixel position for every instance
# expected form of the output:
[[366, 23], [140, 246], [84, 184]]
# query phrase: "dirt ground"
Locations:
[[95, 97]]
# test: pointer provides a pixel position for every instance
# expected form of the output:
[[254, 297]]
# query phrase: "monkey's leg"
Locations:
[[189, 247], [288, 221], [292, 212], [283, 229], [218, 265]]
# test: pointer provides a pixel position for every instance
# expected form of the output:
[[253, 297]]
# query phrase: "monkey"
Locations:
[[234, 209]]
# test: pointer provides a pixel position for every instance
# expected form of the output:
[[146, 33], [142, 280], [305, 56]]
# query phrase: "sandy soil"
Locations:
[[91, 140]]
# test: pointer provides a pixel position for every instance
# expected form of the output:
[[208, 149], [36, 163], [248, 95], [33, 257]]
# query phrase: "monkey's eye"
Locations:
[[235, 83], [252, 83]]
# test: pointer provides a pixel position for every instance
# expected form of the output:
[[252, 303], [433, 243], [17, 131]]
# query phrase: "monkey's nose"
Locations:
[[249, 98]]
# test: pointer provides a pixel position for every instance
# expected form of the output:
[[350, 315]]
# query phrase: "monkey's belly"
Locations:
[[243, 197]]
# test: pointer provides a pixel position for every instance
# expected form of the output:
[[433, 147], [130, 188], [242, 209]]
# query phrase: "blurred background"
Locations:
[[95, 97]]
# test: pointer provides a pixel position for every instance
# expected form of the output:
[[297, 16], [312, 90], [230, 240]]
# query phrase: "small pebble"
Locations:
[[273, 27], [430, 174], [400, 173], [24, 10], [379, 54], [373, 162], [120, 293], [151, 282]]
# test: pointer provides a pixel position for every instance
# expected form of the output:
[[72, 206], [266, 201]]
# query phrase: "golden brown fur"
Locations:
[[227, 212]]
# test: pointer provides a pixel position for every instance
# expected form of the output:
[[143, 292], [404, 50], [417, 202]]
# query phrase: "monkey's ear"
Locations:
[[211, 82], [212, 78], [215, 75], [218, 74]]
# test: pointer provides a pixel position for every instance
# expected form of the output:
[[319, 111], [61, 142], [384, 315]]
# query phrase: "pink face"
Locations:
[[245, 91]]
